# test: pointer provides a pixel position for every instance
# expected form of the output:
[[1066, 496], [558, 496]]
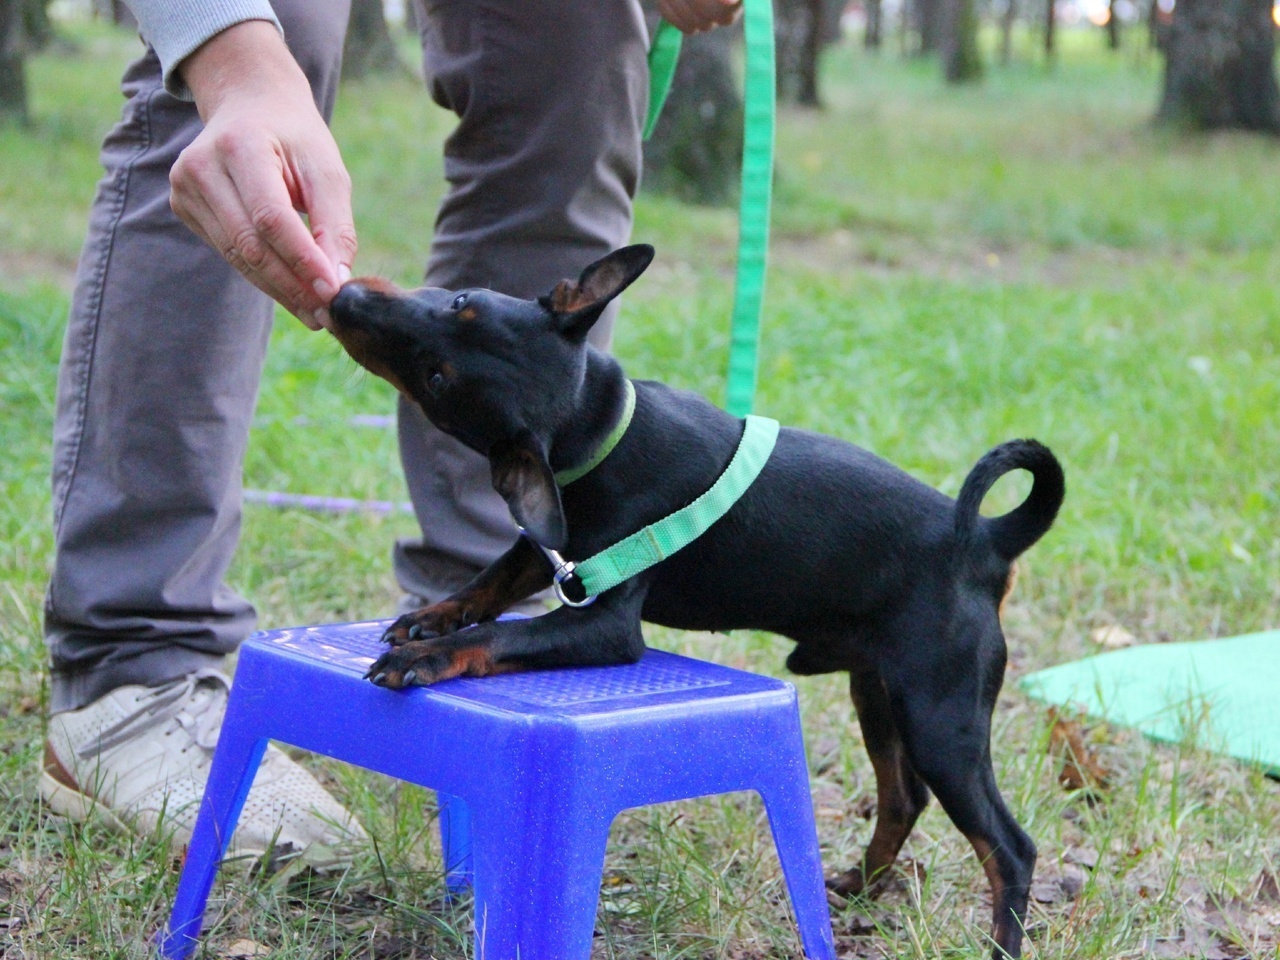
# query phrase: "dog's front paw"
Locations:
[[436, 620], [424, 662]]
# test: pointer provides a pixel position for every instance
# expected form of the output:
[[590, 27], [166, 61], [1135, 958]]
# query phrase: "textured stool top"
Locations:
[[657, 679]]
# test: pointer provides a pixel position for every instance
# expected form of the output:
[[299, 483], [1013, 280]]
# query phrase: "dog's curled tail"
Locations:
[[1011, 534]]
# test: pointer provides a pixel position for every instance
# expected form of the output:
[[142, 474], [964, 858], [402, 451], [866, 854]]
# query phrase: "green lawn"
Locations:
[[951, 268]]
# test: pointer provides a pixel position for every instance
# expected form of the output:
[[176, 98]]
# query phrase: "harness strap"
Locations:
[[672, 533]]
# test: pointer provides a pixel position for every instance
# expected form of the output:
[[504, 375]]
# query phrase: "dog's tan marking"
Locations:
[[568, 297], [467, 313], [379, 285], [473, 662], [1009, 583], [1000, 911], [359, 344]]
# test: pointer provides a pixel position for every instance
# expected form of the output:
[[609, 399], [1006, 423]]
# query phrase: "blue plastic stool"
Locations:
[[532, 769]]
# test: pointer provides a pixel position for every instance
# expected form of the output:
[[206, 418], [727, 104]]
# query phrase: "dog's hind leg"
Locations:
[[948, 744], [900, 794]]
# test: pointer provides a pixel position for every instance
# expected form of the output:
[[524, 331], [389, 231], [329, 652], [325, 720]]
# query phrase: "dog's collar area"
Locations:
[[652, 544], [566, 477]]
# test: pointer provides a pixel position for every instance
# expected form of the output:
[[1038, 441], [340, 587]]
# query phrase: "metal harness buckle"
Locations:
[[562, 572]]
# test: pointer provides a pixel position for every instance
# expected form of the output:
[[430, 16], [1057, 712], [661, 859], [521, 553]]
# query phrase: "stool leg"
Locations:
[[795, 834], [455, 842], [235, 762], [537, 884]]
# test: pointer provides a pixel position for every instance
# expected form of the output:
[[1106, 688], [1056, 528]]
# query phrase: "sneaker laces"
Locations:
[[196, 702]]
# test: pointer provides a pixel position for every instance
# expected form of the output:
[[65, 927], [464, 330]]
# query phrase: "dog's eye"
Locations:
[[436, 383], [459, 301]]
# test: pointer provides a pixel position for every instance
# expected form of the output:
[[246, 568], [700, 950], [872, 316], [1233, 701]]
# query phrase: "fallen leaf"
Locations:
[[1268, 888], [1080, 767], [1047, 891], [245, 950], [865, 807], [1086, 857], [1113, 637]]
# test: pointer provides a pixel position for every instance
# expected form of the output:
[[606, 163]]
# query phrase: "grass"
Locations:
[[951, 268]]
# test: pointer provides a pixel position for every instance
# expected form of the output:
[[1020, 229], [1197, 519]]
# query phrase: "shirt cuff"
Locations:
[[177, 30]]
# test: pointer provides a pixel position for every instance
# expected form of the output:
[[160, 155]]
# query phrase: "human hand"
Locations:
[[264, 156], [696, 16]]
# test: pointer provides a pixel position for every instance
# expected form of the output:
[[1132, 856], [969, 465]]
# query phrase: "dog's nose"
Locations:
[[348, 299]]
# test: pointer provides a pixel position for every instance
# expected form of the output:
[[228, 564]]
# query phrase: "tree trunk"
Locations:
[[1113, 26], [696, 150], [1157, 26], [874, 34], [928, 24], [793, 26], [1219, 67], [961, 62], [1007, 20], [1050, 24], [369, 48], [807, 95], [13, 77], [116, 12], [36, 26]]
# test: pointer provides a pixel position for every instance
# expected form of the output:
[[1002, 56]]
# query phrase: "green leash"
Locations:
[[757, 185], [659, 540]]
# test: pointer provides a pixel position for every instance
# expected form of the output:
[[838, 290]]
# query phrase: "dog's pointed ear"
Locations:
[[523, 477], [576, 306]]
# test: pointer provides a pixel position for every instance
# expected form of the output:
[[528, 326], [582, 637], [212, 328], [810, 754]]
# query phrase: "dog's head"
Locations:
[[500, 374]]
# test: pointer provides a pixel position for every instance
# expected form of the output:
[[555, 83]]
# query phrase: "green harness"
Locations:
[[659, 540]]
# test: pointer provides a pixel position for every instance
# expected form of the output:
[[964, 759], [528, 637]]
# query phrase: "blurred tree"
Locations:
[[36, 26], [1050, 25], [1157, 25], [13, 77], [874, 34], [1219, 66], [1008, 18], [927, 16], [116, 12], [696, 149], [961, 62], [803, 28], [369, 48], [1113, 26]]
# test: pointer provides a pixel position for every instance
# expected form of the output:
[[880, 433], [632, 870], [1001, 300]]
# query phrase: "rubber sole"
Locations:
[[81, 808]]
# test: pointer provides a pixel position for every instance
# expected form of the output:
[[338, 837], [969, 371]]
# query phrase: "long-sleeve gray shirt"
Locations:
[[175, 29]]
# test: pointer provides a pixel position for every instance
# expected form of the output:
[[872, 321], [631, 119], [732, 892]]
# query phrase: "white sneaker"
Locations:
[[139, 757]]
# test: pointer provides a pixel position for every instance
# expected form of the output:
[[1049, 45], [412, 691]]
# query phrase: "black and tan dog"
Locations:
[[868, 570]]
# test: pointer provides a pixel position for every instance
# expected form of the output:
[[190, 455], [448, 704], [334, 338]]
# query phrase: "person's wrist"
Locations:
[[247, 58]]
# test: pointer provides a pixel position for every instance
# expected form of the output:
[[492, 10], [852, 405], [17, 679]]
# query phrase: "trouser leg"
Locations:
[[158, 378], [542, 169]]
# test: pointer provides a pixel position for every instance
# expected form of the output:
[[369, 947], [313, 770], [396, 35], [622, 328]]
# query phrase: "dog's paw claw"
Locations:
[[409, 677], [415, 632], [380, 679]]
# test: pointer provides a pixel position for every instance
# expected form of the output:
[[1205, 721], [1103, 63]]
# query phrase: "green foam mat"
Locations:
[[1221, 695]]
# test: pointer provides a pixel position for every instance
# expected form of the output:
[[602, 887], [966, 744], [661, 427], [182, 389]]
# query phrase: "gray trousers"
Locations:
[[165, 342]]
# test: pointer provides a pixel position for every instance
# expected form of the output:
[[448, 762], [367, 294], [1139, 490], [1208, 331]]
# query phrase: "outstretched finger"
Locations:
[[216, 214], [327, 200], [275, 223]]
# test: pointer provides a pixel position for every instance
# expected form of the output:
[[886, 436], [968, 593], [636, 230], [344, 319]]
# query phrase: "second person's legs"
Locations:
[[542, 169]]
